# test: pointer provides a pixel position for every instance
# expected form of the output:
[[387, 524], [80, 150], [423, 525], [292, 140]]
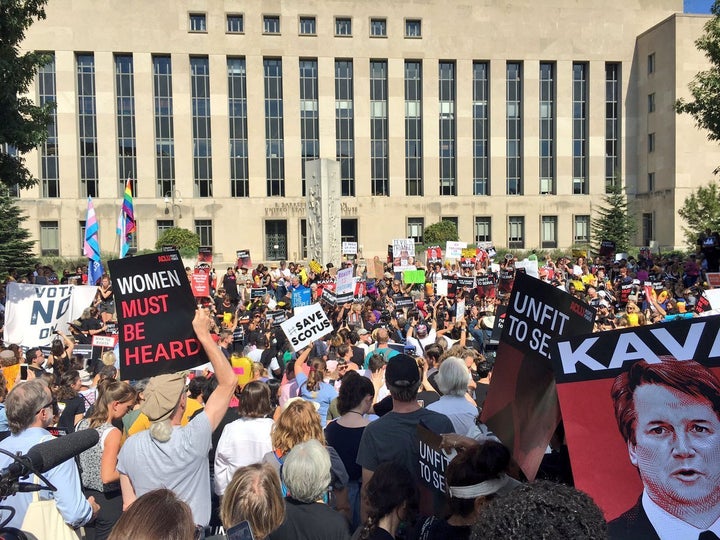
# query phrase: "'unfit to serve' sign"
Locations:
[[155, 309]]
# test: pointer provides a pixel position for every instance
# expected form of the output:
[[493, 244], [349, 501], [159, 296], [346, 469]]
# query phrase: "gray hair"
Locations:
[[306, 471], [453, 376], [24, 402]]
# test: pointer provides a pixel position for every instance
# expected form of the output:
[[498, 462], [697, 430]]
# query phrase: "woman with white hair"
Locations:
[[306, 474], [453, 379]]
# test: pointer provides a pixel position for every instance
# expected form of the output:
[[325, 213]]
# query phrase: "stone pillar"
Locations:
[[322, 188]]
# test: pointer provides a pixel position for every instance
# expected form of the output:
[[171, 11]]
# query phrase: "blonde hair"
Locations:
[[299, 422]]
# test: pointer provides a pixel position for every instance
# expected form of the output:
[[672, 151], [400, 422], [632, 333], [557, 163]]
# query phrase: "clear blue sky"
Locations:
[[697, 6]]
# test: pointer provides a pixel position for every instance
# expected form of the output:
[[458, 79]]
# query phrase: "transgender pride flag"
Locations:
[[91, 246], [126, 220]]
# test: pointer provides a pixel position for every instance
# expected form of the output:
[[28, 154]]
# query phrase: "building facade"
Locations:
[[508, 118]]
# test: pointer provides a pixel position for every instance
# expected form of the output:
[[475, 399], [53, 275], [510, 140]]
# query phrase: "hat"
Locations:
[[388, 275], [85, 378], [402, 370], [273, 265], [362, 332], [162, 395], [422, 329]]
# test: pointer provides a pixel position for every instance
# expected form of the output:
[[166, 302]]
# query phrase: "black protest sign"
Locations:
[[277, 317], [607, 248], [432, 460], [155, 309], [500, 313], [402, 301], [258, 292], [521, 407], [466, 281], [329, 296], [486, 285]]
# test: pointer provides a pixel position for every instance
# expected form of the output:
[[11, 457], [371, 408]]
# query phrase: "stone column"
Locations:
[[322, 188]]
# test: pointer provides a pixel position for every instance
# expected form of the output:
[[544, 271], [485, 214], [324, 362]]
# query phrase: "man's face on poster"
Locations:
[[677, 450]]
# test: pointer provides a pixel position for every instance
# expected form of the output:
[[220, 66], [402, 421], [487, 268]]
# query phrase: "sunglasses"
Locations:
[[52, 403]]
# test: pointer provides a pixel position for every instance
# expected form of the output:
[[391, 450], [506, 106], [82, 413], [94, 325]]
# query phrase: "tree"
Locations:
[[439, 233], [16, 250], [614, 221], [182, 239], [701, 210], [23, 125], [705, 86]]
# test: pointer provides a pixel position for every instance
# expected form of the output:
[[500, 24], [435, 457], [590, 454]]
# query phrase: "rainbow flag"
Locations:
[[126, 220]]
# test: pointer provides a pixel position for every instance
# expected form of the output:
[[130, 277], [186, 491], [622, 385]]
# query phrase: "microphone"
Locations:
[[49, 454]]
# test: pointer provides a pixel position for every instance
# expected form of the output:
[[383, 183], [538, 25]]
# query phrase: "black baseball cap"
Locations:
[[402, 370]]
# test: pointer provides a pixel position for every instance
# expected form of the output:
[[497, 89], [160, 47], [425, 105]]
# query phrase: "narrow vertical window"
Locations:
[[379, 161], [125, 110], [446, 91], [49, 164], [87, 125], [201, 133], [345, 125], [274, 142], [513, 104], [164, 125], [580, 134], [237, 117], [547, 128], [413, 128], [481, 169], [612, 125], [309, 114]]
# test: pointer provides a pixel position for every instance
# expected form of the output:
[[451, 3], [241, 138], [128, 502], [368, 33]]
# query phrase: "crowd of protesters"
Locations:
[[320, 442]]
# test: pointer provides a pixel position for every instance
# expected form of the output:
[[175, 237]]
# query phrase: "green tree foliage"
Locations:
[[705, 86], [23, 125], [439, 233], [16, 248], [701, 210], [182, 239], [614, 221]]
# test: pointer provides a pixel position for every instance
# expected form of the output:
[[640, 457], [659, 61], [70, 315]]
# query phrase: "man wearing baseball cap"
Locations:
[[393, 437], [168, 455]]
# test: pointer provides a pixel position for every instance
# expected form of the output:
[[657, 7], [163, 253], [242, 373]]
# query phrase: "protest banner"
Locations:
[[413, 276], [485, 284], [433, 255], [34, 312], [306, 327], [607, 248], [301, 297], [155, 309], [505, 279], [277, 317], [713, 279], [452, 284], [441, 287], [360, 289], [349, 248], [403, 254], [521, 407], [672, 379], [466, 281], [402, 301], [453, 250], [200, 284], [345, 282], [258, 292], [432, 460], [243, 258], [328, 295]]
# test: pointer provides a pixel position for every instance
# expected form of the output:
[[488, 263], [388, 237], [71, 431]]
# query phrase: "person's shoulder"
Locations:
[[434, 419], [634, 523]]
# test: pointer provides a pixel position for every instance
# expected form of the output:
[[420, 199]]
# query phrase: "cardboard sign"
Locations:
[[34, 312], [713, 279], [200, 284], [349, 248], [258, 292], [345, 282], [243, 258], [521, 405], [301, 297], [453, 250], [414, 276], [155, 309], [441, 287], [586, 369], [379, 268], [303, 329]]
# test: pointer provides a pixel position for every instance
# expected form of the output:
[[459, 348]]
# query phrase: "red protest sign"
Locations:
[[200, 284], [155, 309]]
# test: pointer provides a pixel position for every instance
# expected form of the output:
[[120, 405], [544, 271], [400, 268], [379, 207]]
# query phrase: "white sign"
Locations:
[[453, 250], [349, 248], [34, 312], [104, 341], [531, 267], [713, 296], [345, 282], [441, 287], [303, 329], [403, 248], [460, 310]]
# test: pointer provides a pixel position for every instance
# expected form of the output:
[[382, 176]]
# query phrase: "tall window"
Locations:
[[379, 166], [127, 144], [274, 144], [164, 126], [49, 165], [651, 63], [483, 231], [349, 230], [344, 125], [581, 229], [648, 228], [516, 232], [651, 143], [87, 125], [275, 239], [651, 181], [203, 228], [580, 131], [49, 238], [309, 115], [237, 116], [513, 104], [415, 229], [202, 141], [83, 228], [413, 128], [448, 178], [651, 102], [10, 150], [271, 24], [547, 128], [612, 124], [548, 232], [481, 170]]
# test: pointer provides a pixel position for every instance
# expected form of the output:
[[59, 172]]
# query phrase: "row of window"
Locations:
[[345, 120], [276, 232], [307, 25]]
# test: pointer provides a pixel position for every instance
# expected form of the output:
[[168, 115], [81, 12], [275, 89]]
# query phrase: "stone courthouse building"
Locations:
[[510, 118]]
